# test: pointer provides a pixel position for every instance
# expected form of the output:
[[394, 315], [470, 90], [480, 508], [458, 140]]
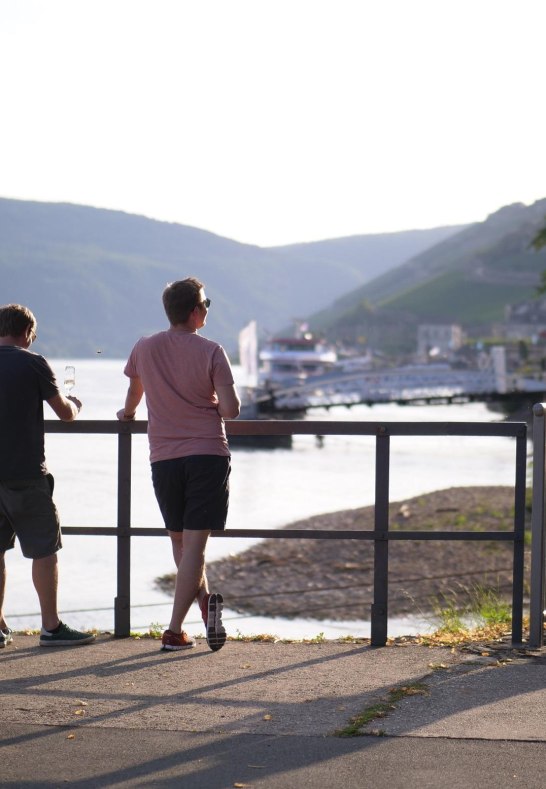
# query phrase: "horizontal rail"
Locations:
[[300, 534], [277, 427]]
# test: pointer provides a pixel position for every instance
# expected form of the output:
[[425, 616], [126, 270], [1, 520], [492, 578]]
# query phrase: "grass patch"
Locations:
[[266, 638], [320, 638], [449, 615], [380, 710], [155, 631], [490, 608], [486, 616], [466, 635]]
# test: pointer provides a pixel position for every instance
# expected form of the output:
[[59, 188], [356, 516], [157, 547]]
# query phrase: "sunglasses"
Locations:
[[205, 304]]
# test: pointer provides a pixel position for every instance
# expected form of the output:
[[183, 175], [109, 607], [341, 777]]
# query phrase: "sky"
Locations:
[[276, 121]]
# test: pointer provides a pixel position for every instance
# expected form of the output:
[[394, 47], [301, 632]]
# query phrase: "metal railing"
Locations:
[[380, 535]]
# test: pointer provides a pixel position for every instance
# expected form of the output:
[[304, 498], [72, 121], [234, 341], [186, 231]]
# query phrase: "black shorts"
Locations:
[[193, 492], [27, 512]]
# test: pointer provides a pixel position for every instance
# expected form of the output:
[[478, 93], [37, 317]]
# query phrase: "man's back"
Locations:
[[26, 380], [180, 371]]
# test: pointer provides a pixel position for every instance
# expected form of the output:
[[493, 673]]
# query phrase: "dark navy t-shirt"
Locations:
[[26, 380]]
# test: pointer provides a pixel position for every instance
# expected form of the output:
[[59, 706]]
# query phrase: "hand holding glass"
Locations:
[[69, 378]]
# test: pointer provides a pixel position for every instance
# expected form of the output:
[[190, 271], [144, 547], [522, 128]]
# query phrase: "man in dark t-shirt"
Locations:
[[27, 510]]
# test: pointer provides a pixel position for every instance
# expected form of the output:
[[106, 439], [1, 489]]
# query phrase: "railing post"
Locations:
[[122, 603], [379, 612], [536, 607], [519, 537]]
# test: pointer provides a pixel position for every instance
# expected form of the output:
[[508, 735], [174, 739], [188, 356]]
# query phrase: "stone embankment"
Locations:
[[325, 579]]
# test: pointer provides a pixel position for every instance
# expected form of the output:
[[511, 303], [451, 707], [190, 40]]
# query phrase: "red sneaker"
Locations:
[[173, 641]]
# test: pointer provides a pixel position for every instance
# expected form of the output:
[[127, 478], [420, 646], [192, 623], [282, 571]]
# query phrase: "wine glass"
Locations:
[[69, 378]]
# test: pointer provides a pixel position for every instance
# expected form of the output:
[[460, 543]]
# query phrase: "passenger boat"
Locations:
[[254, 399], [289, 361]]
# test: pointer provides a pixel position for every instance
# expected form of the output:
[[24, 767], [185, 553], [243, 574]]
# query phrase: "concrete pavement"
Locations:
[[121, 713]]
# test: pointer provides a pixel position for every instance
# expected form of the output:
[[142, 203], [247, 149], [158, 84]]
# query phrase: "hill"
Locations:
[[94, 277], [468, 279]]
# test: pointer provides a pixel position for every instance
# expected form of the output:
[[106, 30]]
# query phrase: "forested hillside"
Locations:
[[468, 279], [94, 277]]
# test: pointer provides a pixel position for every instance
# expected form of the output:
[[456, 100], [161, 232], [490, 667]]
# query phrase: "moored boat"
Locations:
[[287, 361]]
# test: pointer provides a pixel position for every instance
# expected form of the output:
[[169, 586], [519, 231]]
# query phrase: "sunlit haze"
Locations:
[[275, 122]]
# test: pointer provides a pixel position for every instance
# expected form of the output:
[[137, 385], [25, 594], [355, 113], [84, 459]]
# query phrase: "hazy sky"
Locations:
[[276, 121]]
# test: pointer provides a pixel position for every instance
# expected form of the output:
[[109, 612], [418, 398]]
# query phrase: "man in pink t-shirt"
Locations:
[[189, 389]]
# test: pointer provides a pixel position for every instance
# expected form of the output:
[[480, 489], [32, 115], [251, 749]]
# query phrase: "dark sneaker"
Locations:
[[5, 637], [172, 641], [64, 637], [211, 609]]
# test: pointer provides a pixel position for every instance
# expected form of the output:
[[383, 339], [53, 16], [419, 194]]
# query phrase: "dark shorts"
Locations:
[[193, 492], [27, 512]]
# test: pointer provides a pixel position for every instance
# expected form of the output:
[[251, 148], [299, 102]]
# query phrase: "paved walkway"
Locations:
[[122, 713]]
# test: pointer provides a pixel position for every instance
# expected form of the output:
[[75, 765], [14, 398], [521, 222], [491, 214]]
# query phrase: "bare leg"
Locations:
[[3, 623], [190, 577], [177, 545], [204, 588], [177, 541], [45, 577]]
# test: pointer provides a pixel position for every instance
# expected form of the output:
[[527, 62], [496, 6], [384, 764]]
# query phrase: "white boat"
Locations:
[[287, 361], [252, 396]]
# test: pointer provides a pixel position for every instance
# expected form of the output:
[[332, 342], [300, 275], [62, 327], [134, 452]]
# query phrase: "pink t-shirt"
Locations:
[[180, 371]]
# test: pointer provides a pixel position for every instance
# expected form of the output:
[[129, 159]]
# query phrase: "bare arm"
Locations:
[[133, 398], [229, 405], [66, 408]]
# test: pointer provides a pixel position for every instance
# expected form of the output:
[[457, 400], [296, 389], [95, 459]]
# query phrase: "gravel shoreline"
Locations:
[[326, 579]]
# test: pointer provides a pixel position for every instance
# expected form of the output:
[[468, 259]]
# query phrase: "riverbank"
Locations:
[[325, 579]]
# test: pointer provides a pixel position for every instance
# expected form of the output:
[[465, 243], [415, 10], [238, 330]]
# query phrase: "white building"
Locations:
[[438, 339], [526, 320]]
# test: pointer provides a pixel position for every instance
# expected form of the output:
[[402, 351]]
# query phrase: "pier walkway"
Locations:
[[121, 713]]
